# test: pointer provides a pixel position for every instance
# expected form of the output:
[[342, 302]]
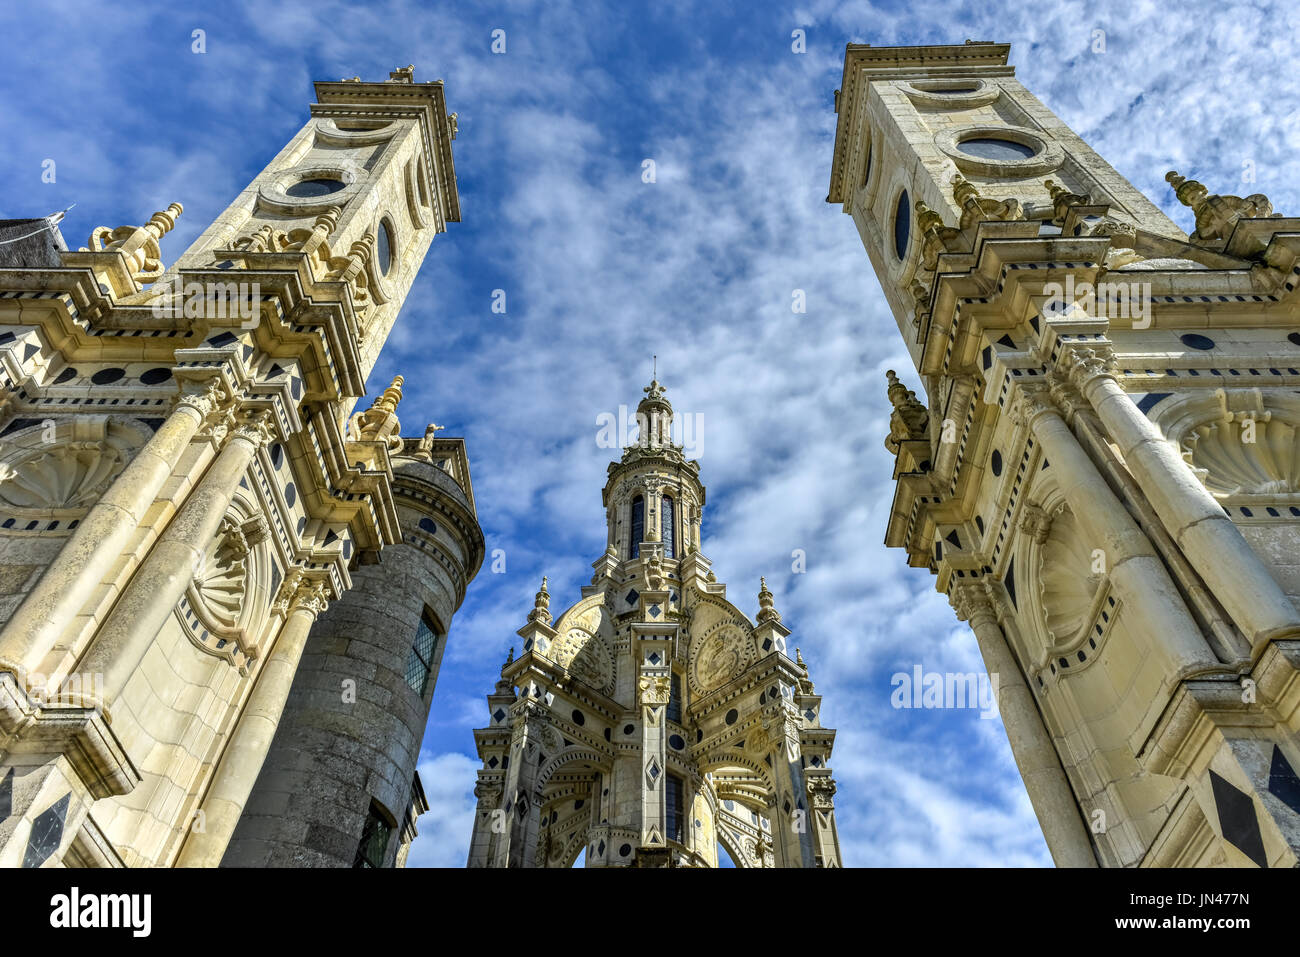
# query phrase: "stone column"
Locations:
[[87, 557], [1236, 575], [486, 827], [242, 761], [792, 839], [518, 846], [160, 581], [1031, 744], [652, 694], [1135, 570], [825, 832]]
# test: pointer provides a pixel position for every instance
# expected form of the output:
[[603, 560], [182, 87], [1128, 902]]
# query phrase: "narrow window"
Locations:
[[675, 698], [673, 807], [666, 529], [419, 661], [374, 839], [638, 524]]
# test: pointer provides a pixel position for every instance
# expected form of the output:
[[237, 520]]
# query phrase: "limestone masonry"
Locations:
[[651, 721], [1103, 475], [223, 599]]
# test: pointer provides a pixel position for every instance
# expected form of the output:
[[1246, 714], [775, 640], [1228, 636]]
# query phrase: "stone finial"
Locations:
[[379, 423], [541, 605], [936, 238], [976, 209], [798, 659], [139, 244], [1216, 215], [910, 418], [920, 302], [453, 123], [766, 609], [404, 74], [1063, 199]]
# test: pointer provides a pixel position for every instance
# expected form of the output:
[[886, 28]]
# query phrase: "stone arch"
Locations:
[[600, 762], [727, 758], [739, 855]]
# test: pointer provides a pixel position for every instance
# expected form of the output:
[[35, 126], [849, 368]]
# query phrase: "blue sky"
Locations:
[[601, 270]]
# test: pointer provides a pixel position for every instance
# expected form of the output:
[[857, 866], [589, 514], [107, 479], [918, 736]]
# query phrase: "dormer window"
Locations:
[[638, 526]]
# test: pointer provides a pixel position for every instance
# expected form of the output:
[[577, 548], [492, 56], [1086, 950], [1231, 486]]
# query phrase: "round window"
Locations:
[[307, 188], [902, 224], [384, 247], [994, 148]]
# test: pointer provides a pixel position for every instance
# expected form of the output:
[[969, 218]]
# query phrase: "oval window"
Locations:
[[384, 247], [994, 148], [307, 188], [902, 224]]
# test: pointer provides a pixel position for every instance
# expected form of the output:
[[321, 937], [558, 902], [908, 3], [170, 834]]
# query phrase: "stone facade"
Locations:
[[183, 493], [652, 720], [1103, 473]]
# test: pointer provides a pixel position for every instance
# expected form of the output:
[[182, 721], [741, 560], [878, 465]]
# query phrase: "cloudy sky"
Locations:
[[602, 270]]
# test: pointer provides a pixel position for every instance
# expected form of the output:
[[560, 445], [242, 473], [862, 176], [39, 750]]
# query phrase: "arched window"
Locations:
[[666, 530], [638, 525]]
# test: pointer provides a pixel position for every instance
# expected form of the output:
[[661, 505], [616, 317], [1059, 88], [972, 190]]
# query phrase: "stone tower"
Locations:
[[1103, 474], [182, 493], [652, 721]]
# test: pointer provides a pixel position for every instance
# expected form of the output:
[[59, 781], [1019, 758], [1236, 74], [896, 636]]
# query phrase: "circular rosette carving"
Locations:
[[585, 656], [68, 477], [1067, 584], [719, 658], [1245, 455]]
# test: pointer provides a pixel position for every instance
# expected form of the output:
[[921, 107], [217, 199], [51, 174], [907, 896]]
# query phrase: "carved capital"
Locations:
[[256, 428], [1084, 365], [1030, 404], [971, 603], [299, 592]]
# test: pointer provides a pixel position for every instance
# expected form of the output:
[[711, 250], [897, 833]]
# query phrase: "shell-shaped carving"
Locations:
[[219, 586], [69, 476], [1067, 584], [1245, 455]]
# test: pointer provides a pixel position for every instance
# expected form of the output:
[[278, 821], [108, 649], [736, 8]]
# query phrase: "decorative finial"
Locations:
[[541, 605], [798, 659], [1216, 216], [139, 244], [766, 610], [379, 422], [510, 658]]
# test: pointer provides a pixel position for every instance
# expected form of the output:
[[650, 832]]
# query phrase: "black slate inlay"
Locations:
[[631, 596], [7, 794], [1151, 398], [1010, 581], [1237, 819], [1282, 781], [47, 833]]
